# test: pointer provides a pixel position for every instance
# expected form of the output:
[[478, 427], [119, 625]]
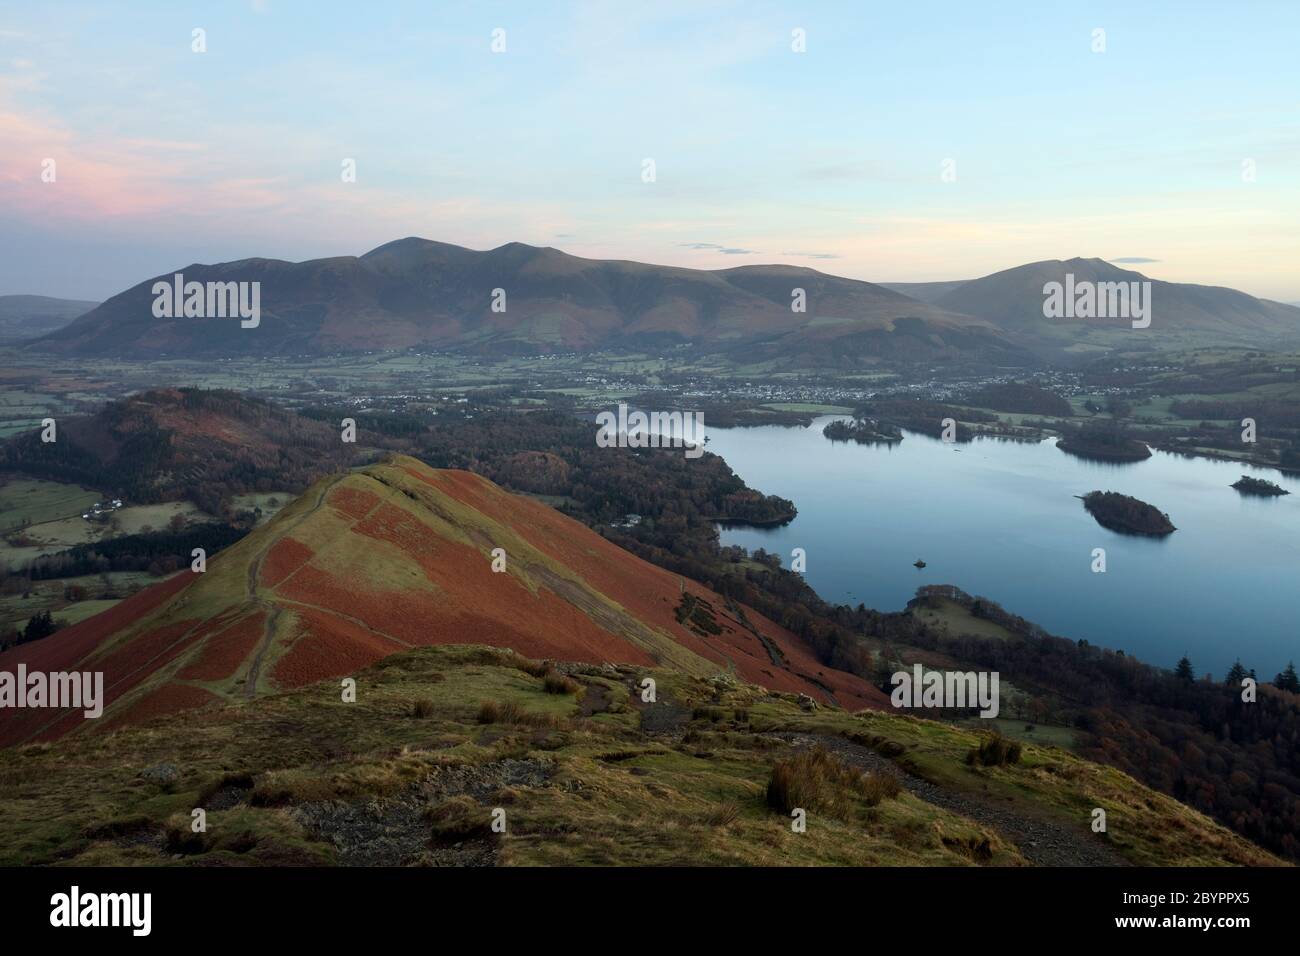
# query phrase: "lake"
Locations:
[[998, 519]]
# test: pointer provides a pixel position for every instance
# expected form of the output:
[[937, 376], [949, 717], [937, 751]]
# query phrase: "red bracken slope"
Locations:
[[399, 555]]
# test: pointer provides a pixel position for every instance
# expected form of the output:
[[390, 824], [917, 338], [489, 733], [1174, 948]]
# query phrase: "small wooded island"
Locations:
[[1103, 444], [1127, 515], [1258, 486], [864, 431]]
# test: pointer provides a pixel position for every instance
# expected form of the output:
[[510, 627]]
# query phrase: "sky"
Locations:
[[907, 142]]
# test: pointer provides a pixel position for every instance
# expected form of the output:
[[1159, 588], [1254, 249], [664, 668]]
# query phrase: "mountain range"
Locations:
[[524, 300], [418, 293]]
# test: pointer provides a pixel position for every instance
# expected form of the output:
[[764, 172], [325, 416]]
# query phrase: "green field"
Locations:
[[18, 607], [28, 501]]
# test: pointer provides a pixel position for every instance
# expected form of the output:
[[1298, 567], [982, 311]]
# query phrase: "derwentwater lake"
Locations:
[[999, 519]]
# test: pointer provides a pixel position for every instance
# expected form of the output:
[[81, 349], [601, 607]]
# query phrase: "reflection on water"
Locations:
[[999, 519]]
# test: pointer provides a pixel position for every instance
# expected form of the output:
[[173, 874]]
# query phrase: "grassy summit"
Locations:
[[585, 772]]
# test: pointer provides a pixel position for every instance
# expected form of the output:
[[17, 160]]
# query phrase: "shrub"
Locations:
[[508, 712], [496, 712], [880, 786], [422, 708], [556, 683], [995, 751], [816, 780]]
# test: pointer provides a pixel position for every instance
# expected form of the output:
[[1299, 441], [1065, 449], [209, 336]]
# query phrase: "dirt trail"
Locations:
[[1042, 841], [273, 610]]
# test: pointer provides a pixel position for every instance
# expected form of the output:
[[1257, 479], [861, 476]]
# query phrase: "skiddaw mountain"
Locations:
[[418, 293], [525, 300]]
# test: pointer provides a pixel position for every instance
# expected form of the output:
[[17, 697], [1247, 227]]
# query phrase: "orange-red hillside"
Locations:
[[399, 555]]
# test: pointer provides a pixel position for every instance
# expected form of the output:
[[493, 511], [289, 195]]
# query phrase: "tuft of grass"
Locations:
[[498, 712], [817, 781], [509, 712], [876, 787], [723, 814], [994, 751], [423, 708], [556, 683]]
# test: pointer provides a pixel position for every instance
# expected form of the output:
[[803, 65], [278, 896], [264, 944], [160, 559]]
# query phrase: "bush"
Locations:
[[496, 712], [422, 708], [995, 751], [880, 786], [815, 780], [555, 683]]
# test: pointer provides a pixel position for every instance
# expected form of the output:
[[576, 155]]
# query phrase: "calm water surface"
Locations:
[[999, 519]]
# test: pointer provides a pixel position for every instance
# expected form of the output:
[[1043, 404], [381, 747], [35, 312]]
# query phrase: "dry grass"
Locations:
[[556, 683], [817, 781], [509, 712]]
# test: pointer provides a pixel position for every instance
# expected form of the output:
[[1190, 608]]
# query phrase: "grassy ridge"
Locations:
[[411, 772]]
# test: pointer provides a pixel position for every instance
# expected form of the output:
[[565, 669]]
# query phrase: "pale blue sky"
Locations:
[[830, 158]]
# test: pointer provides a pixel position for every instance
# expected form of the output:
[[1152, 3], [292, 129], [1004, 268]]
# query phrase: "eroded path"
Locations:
[[1042, 841], [273, 610]]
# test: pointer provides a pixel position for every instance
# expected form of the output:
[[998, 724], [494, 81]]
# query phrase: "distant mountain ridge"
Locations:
[[518, 299], [419, 293], [1183, 314], [25, 317]]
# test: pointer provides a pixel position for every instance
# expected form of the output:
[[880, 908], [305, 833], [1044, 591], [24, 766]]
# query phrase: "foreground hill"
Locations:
[[24, 317], [394, 556], [419, 293], [577, 769], [172, 444]]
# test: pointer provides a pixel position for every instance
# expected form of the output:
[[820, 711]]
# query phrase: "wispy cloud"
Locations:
[[715, 247], [813, 255]]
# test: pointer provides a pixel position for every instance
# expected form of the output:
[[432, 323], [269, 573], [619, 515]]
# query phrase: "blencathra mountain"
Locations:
[[1182, 314]]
